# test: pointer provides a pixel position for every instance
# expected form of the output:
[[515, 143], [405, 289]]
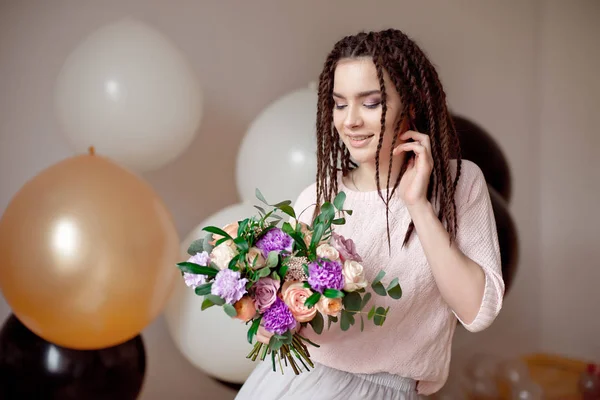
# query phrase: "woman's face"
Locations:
[[357, 109]]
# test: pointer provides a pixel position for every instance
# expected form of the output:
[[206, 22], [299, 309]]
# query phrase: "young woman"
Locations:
[[386, 138]]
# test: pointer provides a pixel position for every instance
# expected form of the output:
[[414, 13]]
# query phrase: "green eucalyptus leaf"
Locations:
[[197, 246], [395, 292], [338, 202], [206, 304], [317, 323], [203, 289], [365, 300], [272, 259], [379, 277], [260, 197], [230, 310], [264, 272], [379, 317], [352, 301], [362, 323], [339, 221], [379, 289], [371, 313], [219, 301]]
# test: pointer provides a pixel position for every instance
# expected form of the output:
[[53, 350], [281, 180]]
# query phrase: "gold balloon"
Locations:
[[87, 254]]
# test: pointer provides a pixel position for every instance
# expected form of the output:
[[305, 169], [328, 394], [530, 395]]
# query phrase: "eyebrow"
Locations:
[[359, 95]]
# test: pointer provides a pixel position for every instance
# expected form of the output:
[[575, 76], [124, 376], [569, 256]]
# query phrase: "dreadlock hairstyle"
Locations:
[[420, 89]]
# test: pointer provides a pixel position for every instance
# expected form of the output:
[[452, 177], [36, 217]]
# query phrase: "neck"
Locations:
[[365, 175]]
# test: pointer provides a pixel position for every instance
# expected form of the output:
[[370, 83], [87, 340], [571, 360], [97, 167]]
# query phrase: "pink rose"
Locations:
[[263, 335], [265, 293], [294, 295], [345, 247]]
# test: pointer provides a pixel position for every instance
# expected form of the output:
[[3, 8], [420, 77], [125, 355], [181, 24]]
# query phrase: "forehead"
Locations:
[[355, 75]]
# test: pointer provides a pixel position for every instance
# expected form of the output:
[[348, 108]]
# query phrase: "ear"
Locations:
[[413, 113]]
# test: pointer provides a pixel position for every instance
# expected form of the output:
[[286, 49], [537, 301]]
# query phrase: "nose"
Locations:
[[353, 119]]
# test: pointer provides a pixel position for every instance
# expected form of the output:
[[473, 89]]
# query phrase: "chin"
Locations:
[[362, 156]]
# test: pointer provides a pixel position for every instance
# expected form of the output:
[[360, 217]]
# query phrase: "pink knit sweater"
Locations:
[[415, 340]]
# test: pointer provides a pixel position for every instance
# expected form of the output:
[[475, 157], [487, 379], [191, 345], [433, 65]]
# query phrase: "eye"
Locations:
[[340, 106], [373, 105]]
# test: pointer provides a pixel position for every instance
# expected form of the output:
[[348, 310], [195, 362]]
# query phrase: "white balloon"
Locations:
[[130, 93], [209, 339], [278, 153]]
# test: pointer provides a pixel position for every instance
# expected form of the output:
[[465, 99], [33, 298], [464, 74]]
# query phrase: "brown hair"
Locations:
[[420, 89]]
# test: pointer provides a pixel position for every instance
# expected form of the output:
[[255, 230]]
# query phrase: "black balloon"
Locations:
[[478, 146], [507, 237], [32, 368]]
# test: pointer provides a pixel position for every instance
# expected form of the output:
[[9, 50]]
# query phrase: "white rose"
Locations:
[[354, 276], [222, 255], [327, 251]]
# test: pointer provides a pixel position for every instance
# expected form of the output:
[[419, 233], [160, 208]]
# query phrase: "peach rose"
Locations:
[[255, 256], [263, 335], [230, 229], [354, 276], [245, 308], [294, 295], [327, 251], [329, 306]]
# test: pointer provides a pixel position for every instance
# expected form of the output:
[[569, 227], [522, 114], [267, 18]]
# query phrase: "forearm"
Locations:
[[461, 281]]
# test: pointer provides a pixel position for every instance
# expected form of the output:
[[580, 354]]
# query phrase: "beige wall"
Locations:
[[492, 58], [570, 178]]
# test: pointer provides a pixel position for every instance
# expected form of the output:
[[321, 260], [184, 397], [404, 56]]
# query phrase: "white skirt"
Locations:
[[324, 383]]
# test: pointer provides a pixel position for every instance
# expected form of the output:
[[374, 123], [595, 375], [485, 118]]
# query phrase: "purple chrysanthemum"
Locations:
[[195, 280], [324, 274], [275, 240], [278, 318], [229, 286]]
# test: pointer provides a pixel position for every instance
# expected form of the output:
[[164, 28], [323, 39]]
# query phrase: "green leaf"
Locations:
[[379, 317], [206, 304], [333, 293], [352, 301], [260, 197], [362, 323], [298, 240], [217, 231], [282, 203], [379, 289], [349, 212], [203, 289], [379, 277], [242, 226], [288, 210], [275, 276], [393, 283], [207, 246], [365, 300], [371, 313], [330, 319], [262, 210], [253, 329], [241, 244], [264, 272], [327, 212], [339, 221], [275, 344], [287, 337], [312, 300], [317, 234], [395, 292], [345, 321], [193, 268], [233, 262], [287, 228], [317, 323], [215, 299], [283, 271], [230, 310], [272, 259], [197, 246], [338, 202]]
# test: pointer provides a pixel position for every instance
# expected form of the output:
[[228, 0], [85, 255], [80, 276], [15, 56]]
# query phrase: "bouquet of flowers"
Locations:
[[281, 276]]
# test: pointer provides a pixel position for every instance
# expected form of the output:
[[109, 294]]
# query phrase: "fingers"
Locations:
[[410, 146], [423, 139]]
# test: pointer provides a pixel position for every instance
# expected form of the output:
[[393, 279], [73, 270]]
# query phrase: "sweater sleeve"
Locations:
[[478, 239]]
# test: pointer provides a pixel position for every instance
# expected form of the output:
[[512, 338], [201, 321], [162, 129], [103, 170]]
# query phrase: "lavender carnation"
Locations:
[[275, 240], [195, 280], [229, 286], [324, 274], [278, 318]]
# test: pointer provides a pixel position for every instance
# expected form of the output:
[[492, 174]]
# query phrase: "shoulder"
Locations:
[[308, 194], [471, 181], [305, 203]]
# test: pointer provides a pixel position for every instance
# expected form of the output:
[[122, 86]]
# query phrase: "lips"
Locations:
[[359, 140]]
